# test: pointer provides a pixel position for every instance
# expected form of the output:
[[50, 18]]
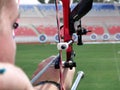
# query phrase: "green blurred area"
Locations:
[[100, 63]]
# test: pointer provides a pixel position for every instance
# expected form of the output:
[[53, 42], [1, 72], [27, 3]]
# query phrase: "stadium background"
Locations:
[[38, 23]]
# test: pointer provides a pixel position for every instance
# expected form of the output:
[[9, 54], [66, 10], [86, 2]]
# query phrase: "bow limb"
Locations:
[[60, 51], [67, 35], [67, 44]]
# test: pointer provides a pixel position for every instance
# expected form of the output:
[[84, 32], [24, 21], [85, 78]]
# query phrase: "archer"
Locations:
[[11, 76]]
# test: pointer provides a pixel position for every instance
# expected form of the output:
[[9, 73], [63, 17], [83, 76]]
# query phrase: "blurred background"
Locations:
[[38, 21]]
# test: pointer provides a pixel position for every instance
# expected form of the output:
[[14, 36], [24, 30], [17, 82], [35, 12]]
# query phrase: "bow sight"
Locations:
[[81, 9], [81, 31]]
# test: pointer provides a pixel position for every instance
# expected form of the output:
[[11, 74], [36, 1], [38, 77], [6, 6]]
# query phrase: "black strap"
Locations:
[[51, 82]]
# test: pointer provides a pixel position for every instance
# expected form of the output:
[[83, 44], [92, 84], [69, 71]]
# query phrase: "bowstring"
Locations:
[[59, 40]]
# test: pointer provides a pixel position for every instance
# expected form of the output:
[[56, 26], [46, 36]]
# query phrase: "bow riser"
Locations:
[[66, 28], [66, 13]]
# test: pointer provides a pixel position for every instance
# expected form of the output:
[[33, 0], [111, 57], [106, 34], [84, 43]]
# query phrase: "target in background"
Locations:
[[56, 38], [105, 36], [93, 36], [117, 36], [43, 38], [75, 37]]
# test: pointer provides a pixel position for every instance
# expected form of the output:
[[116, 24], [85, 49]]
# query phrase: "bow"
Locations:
[[67, 44], [69, 19]]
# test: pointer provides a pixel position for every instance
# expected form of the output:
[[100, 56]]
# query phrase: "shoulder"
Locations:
[[11, 75]]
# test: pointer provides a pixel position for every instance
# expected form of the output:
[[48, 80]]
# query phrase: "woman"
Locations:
[[12, 77]]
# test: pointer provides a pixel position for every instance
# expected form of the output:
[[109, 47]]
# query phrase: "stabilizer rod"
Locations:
[[79, 77], [44, 69]]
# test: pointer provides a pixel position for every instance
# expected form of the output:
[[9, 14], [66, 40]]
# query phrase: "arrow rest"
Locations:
[[64, 45], [69, 64]]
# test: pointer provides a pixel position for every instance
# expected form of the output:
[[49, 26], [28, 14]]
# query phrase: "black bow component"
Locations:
[[81, 9]]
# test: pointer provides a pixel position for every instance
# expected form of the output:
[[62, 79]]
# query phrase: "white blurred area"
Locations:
[[27, 1], [36, 1]]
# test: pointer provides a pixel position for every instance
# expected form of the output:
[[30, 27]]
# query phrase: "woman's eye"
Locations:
[[15, 25]]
